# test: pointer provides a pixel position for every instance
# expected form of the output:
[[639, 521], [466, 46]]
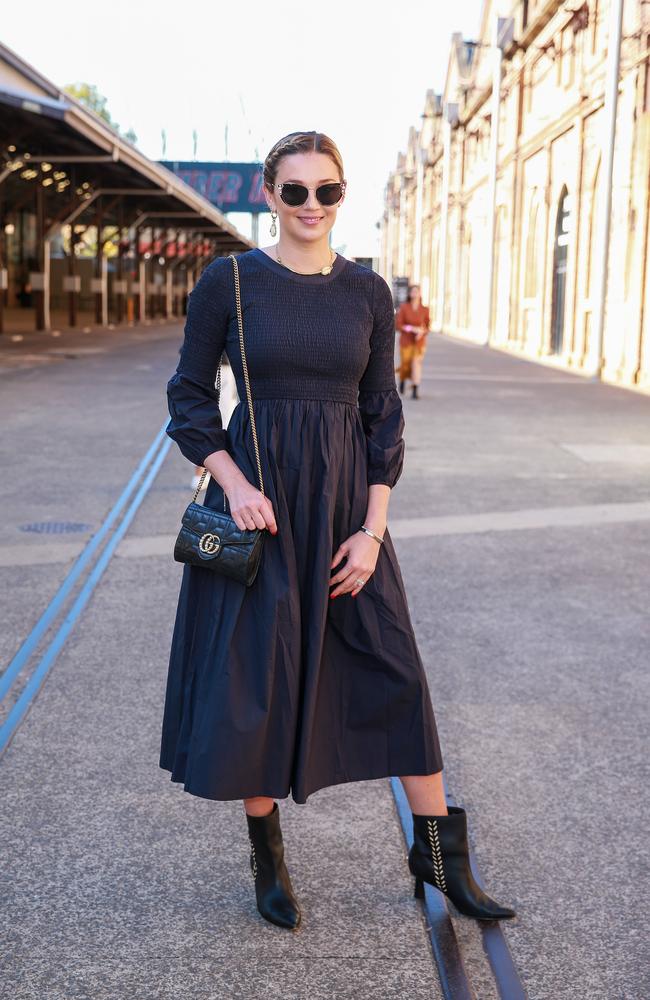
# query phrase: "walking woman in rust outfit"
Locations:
[[311, 676], [412, 322]]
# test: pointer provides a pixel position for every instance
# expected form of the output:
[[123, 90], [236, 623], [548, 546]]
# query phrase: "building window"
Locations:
[[560, 258]]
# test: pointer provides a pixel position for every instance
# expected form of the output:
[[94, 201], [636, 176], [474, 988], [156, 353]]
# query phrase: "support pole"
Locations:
[[503, 35], [450, 113], [419, 199], [605, 193]]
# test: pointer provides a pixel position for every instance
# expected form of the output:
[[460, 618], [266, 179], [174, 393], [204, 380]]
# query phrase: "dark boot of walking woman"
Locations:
[[275, 899], [439, 855]]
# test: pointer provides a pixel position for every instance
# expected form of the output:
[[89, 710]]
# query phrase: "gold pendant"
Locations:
[[326, 270]]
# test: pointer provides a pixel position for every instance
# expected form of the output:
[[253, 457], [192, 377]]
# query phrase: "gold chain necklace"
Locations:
[[323, 270]]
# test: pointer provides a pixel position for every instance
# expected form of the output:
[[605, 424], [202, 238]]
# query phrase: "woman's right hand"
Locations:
[[249, 507]]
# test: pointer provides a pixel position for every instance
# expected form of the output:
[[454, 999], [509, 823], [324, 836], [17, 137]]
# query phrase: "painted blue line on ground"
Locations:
[[31, 688], [53, 608]]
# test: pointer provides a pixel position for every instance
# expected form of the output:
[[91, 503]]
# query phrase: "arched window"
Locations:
[[563, 224]]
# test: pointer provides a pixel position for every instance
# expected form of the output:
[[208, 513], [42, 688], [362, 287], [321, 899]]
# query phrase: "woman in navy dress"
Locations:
[[311, 676]]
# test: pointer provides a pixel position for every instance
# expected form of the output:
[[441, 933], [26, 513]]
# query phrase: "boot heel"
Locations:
[[419, 888]]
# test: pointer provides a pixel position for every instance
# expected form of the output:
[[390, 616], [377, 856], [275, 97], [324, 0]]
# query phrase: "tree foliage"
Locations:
[[88, 94]]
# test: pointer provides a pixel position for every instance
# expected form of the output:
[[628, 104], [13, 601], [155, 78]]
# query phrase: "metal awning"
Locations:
[[35, 104]]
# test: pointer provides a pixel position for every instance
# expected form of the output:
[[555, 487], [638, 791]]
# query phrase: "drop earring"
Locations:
[[273, 229]]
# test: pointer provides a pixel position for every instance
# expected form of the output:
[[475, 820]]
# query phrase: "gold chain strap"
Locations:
[[235, 264]]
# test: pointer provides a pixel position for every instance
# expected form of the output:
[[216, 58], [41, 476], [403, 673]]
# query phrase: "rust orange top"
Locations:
[[407, 315]]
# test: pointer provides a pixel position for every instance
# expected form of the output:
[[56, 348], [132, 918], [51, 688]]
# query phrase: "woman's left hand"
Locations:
[[362, 551]]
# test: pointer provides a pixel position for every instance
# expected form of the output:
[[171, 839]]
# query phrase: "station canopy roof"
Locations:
[[47, 135]]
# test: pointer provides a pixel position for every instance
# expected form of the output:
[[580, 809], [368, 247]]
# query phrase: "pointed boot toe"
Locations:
[[279, 905]]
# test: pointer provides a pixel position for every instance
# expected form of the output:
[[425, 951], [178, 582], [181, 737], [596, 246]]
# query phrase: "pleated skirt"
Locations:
[[275, 689]]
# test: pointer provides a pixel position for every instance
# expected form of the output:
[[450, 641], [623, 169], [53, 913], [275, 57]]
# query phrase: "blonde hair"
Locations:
[[300, 142]]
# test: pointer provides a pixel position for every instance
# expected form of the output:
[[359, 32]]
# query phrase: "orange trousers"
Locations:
[[411, 360]]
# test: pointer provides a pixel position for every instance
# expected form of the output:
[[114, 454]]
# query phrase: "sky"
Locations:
[[243, 75]]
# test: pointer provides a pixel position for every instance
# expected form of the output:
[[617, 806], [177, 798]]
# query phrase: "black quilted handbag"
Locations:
[[211, 538]]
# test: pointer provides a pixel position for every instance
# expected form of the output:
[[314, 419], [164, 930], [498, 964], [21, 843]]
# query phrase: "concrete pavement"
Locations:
[[521, 525]]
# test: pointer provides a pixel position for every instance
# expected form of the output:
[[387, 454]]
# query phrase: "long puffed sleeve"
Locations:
[[379, 401], [196, 425]]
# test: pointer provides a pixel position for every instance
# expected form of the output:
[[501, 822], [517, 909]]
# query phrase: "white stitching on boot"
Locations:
[[436, 855], [253, 858]]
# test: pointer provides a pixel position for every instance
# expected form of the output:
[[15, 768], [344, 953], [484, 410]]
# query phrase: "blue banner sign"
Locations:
[[231, 187]]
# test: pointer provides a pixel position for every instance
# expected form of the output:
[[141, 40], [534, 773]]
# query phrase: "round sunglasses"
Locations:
[[297, 194]]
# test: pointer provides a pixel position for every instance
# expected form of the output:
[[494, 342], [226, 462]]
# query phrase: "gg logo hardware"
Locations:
[[209, 543]]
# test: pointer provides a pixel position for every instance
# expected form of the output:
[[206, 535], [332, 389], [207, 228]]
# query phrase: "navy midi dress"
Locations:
[[275, 688]]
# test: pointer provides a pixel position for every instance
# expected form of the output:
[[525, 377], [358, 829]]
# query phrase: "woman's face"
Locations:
[[415, 294], [310, 169]]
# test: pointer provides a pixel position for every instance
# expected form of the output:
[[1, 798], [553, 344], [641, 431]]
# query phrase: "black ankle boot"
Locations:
[[414, 392], [439, 855], [275, 899]]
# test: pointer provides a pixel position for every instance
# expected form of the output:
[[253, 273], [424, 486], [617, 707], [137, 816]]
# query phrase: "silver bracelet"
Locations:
[[369, 532]]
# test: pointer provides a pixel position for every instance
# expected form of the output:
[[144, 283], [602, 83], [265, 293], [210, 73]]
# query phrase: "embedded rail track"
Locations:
[[454, 978], [40, 649]]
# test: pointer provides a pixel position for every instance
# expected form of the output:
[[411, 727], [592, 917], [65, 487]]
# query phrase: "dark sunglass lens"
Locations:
[[294, 194], [329, 194]]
